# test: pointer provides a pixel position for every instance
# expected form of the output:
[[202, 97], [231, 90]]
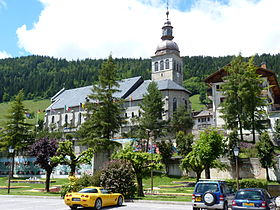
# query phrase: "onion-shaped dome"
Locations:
[[166, 46]]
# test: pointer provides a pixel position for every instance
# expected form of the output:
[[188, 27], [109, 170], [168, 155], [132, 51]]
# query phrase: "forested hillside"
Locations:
[[42, 77]]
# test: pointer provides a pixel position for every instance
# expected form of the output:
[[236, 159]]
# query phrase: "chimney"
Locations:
[[263, 65]]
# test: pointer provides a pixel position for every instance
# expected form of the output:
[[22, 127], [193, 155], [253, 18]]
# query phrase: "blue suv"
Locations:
[[212, 194]]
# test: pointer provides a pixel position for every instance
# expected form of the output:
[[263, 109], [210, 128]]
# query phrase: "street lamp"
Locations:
[[11, 151], [236, 153]]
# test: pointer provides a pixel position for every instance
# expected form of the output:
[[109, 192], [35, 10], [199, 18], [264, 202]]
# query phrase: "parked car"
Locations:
[[212, 194], [253, 198], [96, 197]]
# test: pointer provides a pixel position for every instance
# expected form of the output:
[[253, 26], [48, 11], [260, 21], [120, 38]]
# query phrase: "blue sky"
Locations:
[[78, 29]]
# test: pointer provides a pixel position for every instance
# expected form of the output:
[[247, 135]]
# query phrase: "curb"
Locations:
[[159, 202], [126, 200]]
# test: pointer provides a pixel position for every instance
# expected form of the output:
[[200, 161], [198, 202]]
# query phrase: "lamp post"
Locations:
[[236, 153], [11, 151]]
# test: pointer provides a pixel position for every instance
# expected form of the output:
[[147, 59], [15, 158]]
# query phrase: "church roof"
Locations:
[[73, 97], [162, 85]]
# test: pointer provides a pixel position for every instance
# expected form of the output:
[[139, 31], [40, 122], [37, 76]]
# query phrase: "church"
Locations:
[[66, 112]]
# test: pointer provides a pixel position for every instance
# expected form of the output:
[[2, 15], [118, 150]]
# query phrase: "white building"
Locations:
[[272, 94], [66, 113]]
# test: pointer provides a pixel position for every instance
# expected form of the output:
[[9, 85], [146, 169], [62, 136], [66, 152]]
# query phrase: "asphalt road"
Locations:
[[46, 203]]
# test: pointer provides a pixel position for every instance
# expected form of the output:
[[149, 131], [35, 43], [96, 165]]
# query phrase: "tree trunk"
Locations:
[[240, 129], [48, 178], [167, 168], [140, 192], [198, 175], [253, 129], [73, 169], [207, 172], [267, 175]]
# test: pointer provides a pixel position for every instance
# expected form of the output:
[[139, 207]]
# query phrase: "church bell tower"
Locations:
[[167, 63]]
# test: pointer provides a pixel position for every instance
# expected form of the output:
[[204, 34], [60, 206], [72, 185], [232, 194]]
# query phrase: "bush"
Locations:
[[119, 177], [90, 180], [76, 184], [248, 183], [72, 186]]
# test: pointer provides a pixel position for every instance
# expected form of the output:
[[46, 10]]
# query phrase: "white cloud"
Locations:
[[132, 28], [4, 54]]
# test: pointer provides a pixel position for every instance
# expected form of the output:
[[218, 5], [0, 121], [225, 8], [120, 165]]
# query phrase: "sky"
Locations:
[[80, 29]]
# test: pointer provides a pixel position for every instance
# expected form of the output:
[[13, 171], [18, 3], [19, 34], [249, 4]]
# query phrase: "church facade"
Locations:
[[66, 112]]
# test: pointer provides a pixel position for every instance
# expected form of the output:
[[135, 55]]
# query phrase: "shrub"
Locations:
[[72, 186], [76, 184], [119, 177], [90, 180], [249, 183]]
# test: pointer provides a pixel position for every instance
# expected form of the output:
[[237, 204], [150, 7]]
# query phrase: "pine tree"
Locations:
[[266, 152], [182, 120], [16, 131], [104, 110], [151, 112]]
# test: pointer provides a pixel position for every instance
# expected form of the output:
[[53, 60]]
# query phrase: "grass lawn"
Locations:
[[24, 188], [196, 105], [167, 183], [32, 105]]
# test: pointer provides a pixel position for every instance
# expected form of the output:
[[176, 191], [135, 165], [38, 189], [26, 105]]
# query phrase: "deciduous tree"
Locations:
[[43, 150], [142, 164], [243, 107], [67, 156]]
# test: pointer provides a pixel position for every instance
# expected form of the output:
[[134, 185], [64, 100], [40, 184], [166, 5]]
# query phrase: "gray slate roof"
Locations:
[[162, 85], [134, 87], [204, 113], [73, 97]]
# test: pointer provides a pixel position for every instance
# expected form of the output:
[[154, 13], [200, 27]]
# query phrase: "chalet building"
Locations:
[[66, 112], [215, 81]]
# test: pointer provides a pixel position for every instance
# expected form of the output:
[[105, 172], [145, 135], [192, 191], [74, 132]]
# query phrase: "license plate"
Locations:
[[198, 199], [76, 199], [248, 204]]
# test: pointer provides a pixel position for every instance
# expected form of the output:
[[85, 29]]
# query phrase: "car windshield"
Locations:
[[248, 195], [203, 187], [88, 190]]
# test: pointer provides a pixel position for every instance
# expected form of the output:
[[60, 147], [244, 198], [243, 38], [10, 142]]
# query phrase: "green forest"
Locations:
[[41, 77]]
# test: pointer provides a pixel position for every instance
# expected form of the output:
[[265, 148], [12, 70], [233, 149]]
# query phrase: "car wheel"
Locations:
[[73, 207], [120, 201], [194, 208], [98, 204], [209, 198], [225, 206]]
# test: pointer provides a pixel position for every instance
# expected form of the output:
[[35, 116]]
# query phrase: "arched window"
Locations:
[[166, 64], [132, 114], [161, 65], [52, 119], [79, 118], [177, 67], [174, 104], [156, 66]]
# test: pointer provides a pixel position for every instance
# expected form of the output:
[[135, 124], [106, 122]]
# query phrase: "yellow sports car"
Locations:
[[96, 197]]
